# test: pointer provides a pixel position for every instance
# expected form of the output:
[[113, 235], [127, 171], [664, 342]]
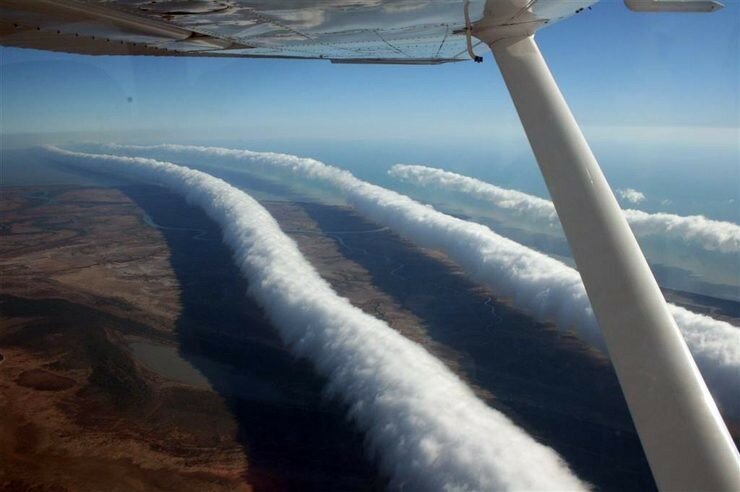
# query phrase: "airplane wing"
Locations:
[[345, 31]]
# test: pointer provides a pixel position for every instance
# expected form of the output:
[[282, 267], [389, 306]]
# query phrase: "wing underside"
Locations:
[[347, 31]]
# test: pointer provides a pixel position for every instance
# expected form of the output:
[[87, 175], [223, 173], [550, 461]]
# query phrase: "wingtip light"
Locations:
[[673, 5]]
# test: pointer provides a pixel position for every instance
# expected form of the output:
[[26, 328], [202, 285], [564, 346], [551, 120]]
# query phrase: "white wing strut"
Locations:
[[685, 440]]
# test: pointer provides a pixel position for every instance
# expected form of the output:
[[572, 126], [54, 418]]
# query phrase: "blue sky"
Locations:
[[616, 68], [655, 94]]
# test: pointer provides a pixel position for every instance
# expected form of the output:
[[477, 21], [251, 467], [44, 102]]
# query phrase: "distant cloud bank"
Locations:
[[631, 195], [429, 431], [540, 285], [711, 235]]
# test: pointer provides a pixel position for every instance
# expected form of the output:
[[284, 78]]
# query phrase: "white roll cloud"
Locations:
[[428, 429], [711, 235], [542, 286]]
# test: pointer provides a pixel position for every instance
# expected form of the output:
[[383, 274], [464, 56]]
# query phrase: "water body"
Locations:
[[167, 361]]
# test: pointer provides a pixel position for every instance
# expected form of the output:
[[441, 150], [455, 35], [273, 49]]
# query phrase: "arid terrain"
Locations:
[[81, 276]]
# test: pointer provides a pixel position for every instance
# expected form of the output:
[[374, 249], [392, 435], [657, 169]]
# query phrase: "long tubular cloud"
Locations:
[[543, 286], [711, 235], [427, 427]]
